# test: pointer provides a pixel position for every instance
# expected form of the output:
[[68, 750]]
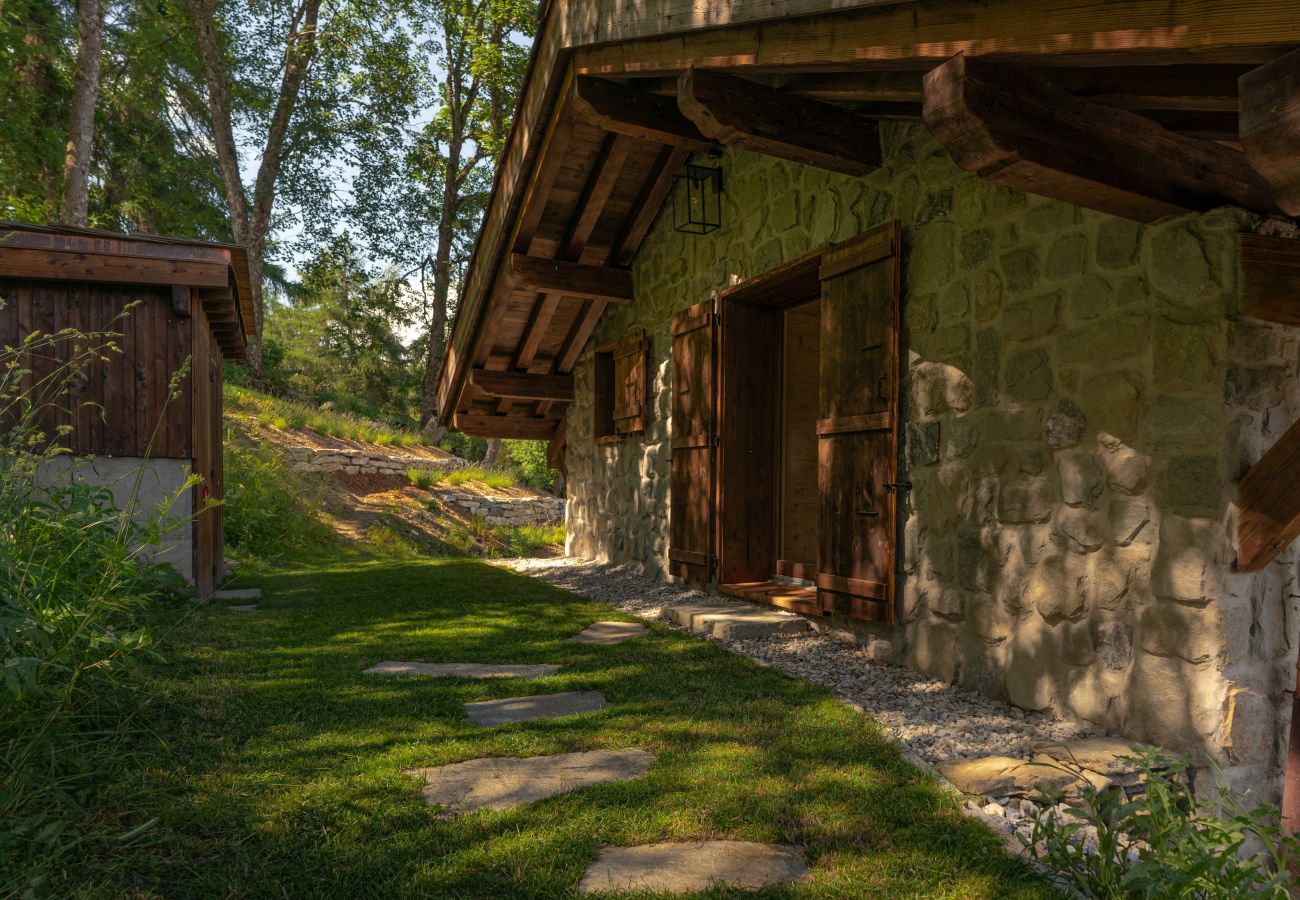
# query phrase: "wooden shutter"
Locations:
[[857, 426], [691, 526], [630, 366]]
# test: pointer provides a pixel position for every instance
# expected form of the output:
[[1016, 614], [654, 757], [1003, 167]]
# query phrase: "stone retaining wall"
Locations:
[[505, 510], [361, 462], [1082, 395]]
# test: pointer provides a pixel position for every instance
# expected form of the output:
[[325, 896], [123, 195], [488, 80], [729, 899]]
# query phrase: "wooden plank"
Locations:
[[782, 286], [1015, 130], [572, 279], [761, 119], [880, 421], [504, 426], [181, 299], [654, 191], [1270, 127], [605, 176], [691, 519], [1270, 278], [45, 264], [1268, 501], [800, 366], [637, 114], [802, 571], [857, 586], [522, 386]]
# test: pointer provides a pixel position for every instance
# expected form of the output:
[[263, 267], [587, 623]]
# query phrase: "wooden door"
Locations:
[[691, 522], [857, 425]]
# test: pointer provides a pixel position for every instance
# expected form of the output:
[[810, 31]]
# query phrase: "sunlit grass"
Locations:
[[493, 478], [278, 767], [276, 412]]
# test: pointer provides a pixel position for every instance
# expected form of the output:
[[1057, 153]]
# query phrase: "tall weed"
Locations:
[[78, 599]]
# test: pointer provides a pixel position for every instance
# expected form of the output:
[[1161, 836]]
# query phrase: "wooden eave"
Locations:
[[1176, 64], [216, 273]]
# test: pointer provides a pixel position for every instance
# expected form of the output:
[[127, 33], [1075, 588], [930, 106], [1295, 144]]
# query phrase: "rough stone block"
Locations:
[[680, 868], [1082, 478], [750, 622], [505, 782], [1113, 403], [1249, 723], [1127, 470], [540, 706], [1179, 269], [462, 670], [1028, 375], [1026, 500], [1114, 644], [1033, 318], [240, 594], [1192, 633], [1117, 243]]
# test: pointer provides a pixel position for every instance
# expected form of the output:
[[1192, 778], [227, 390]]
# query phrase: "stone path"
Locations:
[[246, 607], [609, 633], [733, 620], [503, 782], [242, 594], [540, 706], [462, 670], [683, 867]]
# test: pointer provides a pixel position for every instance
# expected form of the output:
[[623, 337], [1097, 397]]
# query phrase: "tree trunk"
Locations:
[[492, 452], [250, 226], [441, 286], [81, 131]]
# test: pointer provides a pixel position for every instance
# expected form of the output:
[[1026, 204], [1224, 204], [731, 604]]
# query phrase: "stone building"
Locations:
[[1065, 476]]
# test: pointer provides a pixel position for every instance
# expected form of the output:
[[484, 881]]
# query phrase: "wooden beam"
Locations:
[[516, 427], [522, 386], [1268, 500], [181, 300], [572, 279], [1270, 126], [605, 175], [761, 119], [74, 266], [1270, 278], [623, 110], [654, 191], [1017, 130]]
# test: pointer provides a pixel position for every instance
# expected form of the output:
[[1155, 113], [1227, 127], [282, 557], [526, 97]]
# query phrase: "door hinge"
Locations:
[[898, 485]]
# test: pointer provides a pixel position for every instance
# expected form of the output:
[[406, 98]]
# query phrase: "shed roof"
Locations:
[[571, 188], [218, 272]]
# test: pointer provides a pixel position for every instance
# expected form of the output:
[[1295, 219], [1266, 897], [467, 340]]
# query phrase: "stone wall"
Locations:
[[354, 462], [1081, 398], [504, 510]]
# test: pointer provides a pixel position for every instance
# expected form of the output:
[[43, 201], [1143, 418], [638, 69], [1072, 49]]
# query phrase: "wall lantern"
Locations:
[[697, 199]]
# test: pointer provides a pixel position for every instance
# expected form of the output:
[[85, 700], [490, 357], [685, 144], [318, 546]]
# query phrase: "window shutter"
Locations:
[[630, 383], [691, 523], [857, 427]]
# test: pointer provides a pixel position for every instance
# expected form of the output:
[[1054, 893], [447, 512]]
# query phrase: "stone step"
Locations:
[[244, 607], [733, 619], [539, 706], [608, 633], [462, 670], [503, 782], [680, 868], [242, 594]]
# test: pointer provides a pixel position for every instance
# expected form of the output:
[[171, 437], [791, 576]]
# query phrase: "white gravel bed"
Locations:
[[933, 720]]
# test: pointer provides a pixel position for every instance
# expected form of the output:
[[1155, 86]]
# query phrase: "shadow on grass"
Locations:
[[281, 767]]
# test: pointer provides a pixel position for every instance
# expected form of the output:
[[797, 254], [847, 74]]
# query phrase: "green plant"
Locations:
[[78, 598], [493, 478], [424, 478], [1165, 843], [270, 508], [529, 457], [525, 540]]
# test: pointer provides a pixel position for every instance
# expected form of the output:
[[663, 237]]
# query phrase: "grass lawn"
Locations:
[[276, 768]]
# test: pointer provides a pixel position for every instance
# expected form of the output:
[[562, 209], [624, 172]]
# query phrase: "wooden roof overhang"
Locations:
[[1141, 108], [216, 274]]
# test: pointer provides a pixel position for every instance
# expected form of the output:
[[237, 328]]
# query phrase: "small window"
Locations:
[[621, 398]]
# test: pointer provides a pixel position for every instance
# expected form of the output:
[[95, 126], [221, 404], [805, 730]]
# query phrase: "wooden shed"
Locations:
[[184, 300]]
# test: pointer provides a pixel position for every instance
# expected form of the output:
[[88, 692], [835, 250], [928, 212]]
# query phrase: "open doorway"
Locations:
[[798, 507]]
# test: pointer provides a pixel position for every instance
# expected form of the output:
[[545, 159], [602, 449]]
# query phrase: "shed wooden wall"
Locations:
[[122, 403]]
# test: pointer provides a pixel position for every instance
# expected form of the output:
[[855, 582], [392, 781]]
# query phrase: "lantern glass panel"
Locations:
[[697, 199]]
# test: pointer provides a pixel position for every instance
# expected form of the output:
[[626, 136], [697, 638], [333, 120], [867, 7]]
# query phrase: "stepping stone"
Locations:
[[503, 782], [733, 620], [689, 867], [462, 670], [244, 594], [540, 706], [244, 608], [1005, 776], [609, 633]]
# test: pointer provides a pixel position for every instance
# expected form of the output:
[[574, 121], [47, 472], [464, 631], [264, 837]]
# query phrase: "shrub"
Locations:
[[525, 540], [1165, 843], [493, 478], [529, 457], [78, 599], [424, 478], [270, 508]]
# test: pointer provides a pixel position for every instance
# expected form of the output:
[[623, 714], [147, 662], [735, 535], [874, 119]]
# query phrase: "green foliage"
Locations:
[[271, 510], [525, 540], [466, 446], [425, 478], [493, 478], [529, 458], [277, 412], [1166, 843], [78, 599]]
